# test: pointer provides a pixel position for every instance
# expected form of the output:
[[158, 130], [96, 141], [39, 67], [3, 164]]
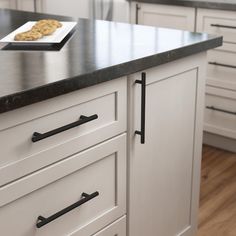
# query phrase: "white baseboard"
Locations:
[[219, 141]]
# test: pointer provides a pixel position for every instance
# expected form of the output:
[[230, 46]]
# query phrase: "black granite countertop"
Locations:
[[97, 52], [210, 4]]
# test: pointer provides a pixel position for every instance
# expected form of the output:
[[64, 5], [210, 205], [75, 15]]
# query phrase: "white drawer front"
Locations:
[[221, 70], [166, 16], [18, 152], [220, 112], [217, 22], [118, 228], [46, 192]]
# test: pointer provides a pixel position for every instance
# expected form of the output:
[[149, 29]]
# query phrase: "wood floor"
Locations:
[[217, 216]]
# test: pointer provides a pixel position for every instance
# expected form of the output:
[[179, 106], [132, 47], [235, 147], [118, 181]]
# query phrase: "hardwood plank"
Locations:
[[217, 214]]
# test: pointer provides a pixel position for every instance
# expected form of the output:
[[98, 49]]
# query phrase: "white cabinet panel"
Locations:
[[107, 101], [100, 169], [8, 4], [73, 8], [166, 16], [25, 5], [217, 22], [220, 112], [221, 70], [163, 192], [117, 228]]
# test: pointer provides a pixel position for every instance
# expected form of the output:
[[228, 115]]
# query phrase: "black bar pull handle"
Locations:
[[82, 120], [221, 64], [221, 110], [136, 13], [143, 107], [223, 26], [85, 198]]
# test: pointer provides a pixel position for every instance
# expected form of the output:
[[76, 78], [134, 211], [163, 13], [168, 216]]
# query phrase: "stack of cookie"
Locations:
[[40, 29]]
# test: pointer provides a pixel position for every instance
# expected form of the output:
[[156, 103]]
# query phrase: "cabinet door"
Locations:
[[8, 4], [166, 16], [25, 5], [73, 8], [161, 170]]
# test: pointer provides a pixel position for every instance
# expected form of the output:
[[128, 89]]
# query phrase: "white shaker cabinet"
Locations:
[[220, 118], [8, 4], [73, 8], [26, 5], [163, 16], [165, 163]]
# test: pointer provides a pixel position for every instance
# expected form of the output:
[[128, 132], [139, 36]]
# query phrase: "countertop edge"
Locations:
[[39, 94]]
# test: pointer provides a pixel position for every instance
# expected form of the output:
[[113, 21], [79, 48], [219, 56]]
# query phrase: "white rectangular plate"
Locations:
[[56, 37]]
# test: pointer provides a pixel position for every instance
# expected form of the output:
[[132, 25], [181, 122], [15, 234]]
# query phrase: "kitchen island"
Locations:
[[102, 136]]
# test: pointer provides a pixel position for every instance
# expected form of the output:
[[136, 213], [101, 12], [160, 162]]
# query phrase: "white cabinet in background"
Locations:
[[220, 113], [220, 116], [217, 22], [165, 170], [73, 8], [25, 5], [176, 17], [8, 4]]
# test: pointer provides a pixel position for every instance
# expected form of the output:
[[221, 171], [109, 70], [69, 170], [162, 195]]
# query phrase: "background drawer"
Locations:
[[166, 16], [20, 156], [223, 121], [217, 22], [44, 193], [221, 69], [116, 229]]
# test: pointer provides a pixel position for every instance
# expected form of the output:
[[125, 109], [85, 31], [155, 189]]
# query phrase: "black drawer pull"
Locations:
[[221, 110], [82, 120], [223, 26], [143, 107], [137, 8], [220, 64], [85, 198]]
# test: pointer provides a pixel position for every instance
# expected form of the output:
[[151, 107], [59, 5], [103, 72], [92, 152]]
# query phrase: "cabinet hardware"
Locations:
[[143, 107], [82, 120], [85, 198], [221, 110], [35, 5], [220, 64], [137, 8], [223, 26]]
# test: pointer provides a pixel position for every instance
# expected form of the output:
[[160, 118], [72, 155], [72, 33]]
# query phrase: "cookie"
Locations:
[[44, 29], [41, 28], [28, 36], [50, 22]]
